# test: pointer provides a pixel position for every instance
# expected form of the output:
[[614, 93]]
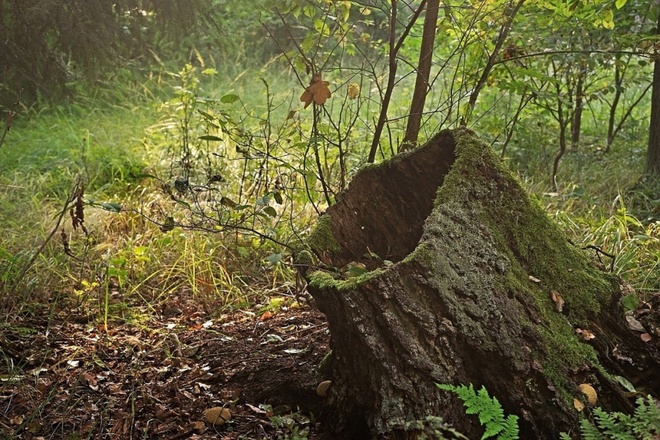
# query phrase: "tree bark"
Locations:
[[459, 268], [576, 122], [652, 167], [423, 75]]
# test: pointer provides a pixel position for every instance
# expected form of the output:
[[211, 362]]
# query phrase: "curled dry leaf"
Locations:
[[589, 392], [646, 337], [217, 416], [634, 324], [558, 300], [534, 279], [89, 380], [317, 91]]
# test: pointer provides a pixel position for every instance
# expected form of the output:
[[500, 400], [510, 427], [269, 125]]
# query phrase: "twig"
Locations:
[[9, 121], [53, 231], [600, 251]]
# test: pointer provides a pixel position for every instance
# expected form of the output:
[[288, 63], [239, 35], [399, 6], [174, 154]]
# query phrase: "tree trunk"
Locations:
[[423, 75], [576, 123], [457, 269], [652, 167]]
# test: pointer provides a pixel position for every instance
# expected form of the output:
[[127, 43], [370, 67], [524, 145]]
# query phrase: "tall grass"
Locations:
[[114, 135]]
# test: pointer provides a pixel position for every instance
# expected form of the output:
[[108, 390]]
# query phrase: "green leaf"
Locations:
[[168, 225], [270, 211], [620, 3], [209, 117], [229, 99], [278, 198], [625, 383], [630, 302], [111, 206], [225, 201], [210, 137]]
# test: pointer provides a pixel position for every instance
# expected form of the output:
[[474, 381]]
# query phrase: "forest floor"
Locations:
[[65, 377]]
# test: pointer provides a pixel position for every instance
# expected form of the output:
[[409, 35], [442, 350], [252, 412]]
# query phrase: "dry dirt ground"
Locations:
[[64, 378]]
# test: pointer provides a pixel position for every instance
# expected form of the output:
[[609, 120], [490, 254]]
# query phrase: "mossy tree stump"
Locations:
[[457, 269]]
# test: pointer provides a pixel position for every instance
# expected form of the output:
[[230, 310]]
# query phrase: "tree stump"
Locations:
[[437, 267]]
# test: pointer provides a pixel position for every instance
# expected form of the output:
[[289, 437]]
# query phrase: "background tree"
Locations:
[[653, 151], [46, 44]]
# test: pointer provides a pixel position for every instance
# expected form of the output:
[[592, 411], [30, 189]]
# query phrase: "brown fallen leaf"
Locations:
[[317, 91], [589, 392], [558, 300], [585, 334], [578, 405], [217, 416], [322, 388], [634, 324], [89, 380], [646, 337]]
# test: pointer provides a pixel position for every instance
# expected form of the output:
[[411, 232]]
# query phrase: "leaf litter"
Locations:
[[160, 378]]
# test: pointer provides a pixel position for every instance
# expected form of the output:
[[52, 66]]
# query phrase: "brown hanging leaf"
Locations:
[[353, 90], [317, 91]]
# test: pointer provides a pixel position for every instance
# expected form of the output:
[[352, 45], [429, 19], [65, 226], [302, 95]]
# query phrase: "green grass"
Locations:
[[115, 133]]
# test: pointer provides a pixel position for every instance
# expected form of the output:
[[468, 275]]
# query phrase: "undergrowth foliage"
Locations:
[[644, 424], [488, 409]]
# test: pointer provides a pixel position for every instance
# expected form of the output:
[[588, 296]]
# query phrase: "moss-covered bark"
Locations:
[[466, 298]]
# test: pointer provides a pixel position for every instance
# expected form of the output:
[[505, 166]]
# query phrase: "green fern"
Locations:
[[644, 424], [489, 410]]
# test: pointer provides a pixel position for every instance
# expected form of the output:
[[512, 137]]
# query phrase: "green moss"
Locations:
[[323, 369], [326, 280], [322, 239], [480, 195], [305, 258]]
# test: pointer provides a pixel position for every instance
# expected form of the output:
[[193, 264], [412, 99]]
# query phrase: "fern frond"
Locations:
[[488, 409]]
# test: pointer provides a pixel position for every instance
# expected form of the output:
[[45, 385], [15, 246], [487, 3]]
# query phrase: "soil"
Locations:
[[65, 378]]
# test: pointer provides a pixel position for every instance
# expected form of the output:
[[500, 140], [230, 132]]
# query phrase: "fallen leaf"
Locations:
[[645, 337], [625, 383], [584, 334], [217, 416], [266, 315], [322, 388], [89, 380], [317, 91], [578, 405], [634, 324], [257, 410], [558, 300], [534, 279], [200, 427], [589, 392]]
